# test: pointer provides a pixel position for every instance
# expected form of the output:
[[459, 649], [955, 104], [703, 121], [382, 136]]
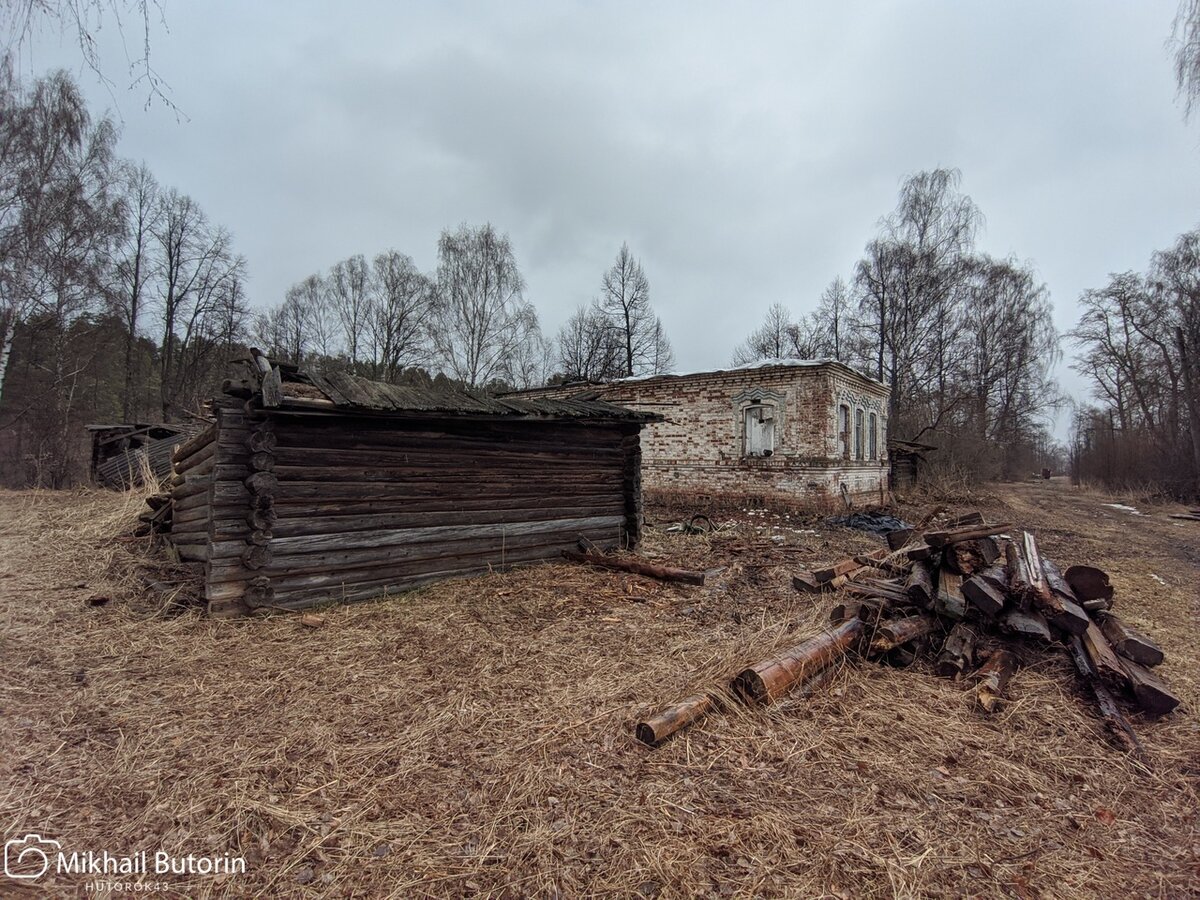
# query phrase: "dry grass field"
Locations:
[[475, 737]]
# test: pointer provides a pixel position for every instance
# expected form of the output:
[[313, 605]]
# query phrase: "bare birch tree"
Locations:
[[481, 317]]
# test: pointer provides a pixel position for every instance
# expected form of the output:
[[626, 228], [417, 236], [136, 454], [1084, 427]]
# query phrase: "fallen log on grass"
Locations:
[[772, 678], [1151, 694], [662, 573], [658, 728], [1129, 643], [1118, 726], [993, 678]]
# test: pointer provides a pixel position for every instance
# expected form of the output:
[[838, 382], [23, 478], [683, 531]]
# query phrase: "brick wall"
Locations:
[[700, 443]]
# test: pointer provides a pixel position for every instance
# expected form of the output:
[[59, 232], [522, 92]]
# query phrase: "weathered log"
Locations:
[[900, 538], [1100, 653], [869, 609], [1072, 618], [262, 440], [262, 461], [237, 387], [1027, 624], [804, 581], [259, 592], [673, 719], [1060, 610], [181, 465], [920, 583], [844, 567], [663, 573], [896, 633], [1115, 721], [272, 388], [262, 483], [1130, 643], [256, 557], [942, 538], [1020, 587], [994, 676], [920, 552], [986, 592], [772, 678], [1150, 692], [958, 652], [1089, 583], [949, 600], [195, 442], [969, 557], [261, 519]]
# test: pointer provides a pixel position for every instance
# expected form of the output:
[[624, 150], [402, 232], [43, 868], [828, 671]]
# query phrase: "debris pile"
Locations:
[[973, 599]]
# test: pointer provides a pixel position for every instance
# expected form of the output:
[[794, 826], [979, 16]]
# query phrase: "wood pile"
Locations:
[[974, 600]]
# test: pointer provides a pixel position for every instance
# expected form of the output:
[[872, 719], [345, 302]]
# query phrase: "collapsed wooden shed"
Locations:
[[122, 452], [327, 489]]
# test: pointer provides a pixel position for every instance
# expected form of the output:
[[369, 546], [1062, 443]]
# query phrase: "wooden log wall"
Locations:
[[191, 484], [311, 509]]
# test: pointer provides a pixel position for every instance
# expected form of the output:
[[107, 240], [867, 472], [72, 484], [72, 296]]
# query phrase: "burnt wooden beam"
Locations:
[[1129, 642], [958, 652], [1151, 693], [986, 591], [1116, 723]]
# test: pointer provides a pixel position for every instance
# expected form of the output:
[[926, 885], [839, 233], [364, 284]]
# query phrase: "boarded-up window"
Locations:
[[858, 434], [760, 430], [873, 435], [844, 432]]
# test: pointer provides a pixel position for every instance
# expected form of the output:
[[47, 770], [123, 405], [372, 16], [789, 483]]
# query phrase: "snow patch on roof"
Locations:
[[780, 362]]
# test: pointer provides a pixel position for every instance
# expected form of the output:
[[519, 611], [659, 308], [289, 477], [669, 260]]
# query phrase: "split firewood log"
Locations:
[[986, 591], [958, 652], [994, 676]]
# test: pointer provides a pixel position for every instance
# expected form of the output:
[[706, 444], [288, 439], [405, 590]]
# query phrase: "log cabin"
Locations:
[[314, 489]]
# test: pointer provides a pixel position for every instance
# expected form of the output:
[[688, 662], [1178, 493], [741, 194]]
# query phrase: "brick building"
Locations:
[[793, 427]]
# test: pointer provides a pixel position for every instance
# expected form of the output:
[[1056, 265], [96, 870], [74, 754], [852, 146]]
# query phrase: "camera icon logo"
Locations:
[[28, 858]]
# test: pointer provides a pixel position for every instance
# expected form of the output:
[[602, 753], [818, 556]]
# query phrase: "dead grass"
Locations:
[[476, 737]]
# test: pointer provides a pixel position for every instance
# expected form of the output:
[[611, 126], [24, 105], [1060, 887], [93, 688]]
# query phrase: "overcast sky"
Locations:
[[745, 151]]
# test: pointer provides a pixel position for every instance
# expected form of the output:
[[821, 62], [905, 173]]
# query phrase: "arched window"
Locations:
[[873, 436], [858, 434], [844, 431]]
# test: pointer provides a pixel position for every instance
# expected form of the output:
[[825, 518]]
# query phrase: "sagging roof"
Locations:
[[343, 391], [757, 366]]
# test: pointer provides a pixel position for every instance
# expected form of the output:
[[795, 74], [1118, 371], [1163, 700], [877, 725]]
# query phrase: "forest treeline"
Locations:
[[1139, 336], [121, 300]]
